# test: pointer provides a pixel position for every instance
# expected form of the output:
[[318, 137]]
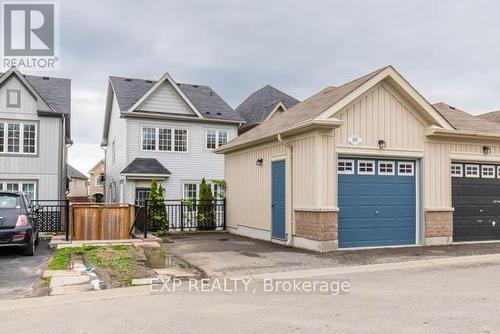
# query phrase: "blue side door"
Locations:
[[377, 202], [278, 199]]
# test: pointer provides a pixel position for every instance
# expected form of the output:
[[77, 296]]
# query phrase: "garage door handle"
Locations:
[[377, 212], [496, 201], [481, 210]]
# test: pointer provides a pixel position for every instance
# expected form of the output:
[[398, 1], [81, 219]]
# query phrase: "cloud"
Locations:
[[446, 49]]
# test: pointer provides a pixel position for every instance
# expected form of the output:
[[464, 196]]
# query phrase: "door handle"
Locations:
[[377, 212], [481, 210]]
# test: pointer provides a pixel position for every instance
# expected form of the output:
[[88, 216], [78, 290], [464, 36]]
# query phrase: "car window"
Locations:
[[9, 202]]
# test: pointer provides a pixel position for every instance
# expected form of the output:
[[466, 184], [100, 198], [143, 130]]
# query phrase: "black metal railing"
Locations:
[[51, 215], [180, 215]]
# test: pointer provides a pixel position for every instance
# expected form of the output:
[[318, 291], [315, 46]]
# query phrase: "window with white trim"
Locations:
[[215, 139], [386, 168], [164, 139], [190, 190], [14, 185], [406, 168], [471, 170], [488, 171], [366, 167], [345, 166], [13, 98], [498, 172], [217, 191], [457, 170], [149, 139], [18, 138]]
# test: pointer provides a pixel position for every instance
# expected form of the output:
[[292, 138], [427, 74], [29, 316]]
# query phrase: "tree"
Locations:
[[157, 212], [206, 208]]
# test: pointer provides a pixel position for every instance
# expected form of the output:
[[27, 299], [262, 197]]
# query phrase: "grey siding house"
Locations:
[[163, 130], [262, 105], [34, 134]]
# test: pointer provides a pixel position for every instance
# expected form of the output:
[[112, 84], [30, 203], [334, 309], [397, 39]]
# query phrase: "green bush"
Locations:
[[157, 212], [206, 208]]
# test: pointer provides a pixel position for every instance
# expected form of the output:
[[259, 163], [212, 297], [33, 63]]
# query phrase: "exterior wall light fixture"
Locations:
[[382, 144], [486, 149], [259, 162]]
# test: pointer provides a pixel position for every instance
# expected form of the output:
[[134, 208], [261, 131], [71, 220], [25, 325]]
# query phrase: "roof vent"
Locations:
[[452, 107], [211, 93], [45, 78], [208, 113], [219, 113], [195, 86], [149, 81], [128, 79]]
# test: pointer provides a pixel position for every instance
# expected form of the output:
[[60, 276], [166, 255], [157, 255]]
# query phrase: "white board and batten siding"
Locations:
[[42, 168]]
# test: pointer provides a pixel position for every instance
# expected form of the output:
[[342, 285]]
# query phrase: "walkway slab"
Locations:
[[69, 280], [175, 272], [57, 273], [63, 290]]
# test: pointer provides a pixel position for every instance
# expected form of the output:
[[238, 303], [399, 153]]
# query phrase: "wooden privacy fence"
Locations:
[[90, 221]]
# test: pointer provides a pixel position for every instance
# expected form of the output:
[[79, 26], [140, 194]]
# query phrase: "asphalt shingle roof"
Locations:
[[462, 120], [205, 99], [261, 103], [306, 110], [75, 174], [146, 166], [56, 92]]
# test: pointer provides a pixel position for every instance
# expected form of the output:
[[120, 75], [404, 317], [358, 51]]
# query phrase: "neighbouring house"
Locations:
[[163, 130], [77, 185], [96, 182], [263, 104], [367, 163], [34, 134]]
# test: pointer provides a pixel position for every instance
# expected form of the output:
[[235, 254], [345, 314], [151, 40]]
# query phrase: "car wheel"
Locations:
[[30, 249], [37, 239]]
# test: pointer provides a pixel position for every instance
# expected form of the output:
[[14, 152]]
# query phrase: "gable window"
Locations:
[[18, 138], [488, 171], [164, 139], [190, 190], [366, 167], [406, 168], [471, 170], [13, 98], [457, 170], [216, 138], [386, 168], [345, 166]]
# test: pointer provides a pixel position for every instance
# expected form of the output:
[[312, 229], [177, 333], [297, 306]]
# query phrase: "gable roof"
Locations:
[[257, 107], [321, 107], [54, 92], [462, 120], [491, 116], [146, 166], [98, 164], [73, 173], [209, 104]]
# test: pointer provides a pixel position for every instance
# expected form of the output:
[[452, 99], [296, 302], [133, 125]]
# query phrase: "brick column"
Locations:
[[438, 227], [319, 227]]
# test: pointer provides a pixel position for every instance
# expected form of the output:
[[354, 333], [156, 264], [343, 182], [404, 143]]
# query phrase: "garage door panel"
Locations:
[[477, 213], [376, 210]]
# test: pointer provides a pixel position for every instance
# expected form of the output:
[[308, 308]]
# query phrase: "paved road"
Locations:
[[18, 273], [441, 298]]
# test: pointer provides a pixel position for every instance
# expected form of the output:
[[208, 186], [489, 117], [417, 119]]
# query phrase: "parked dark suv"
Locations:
[[17, 225]]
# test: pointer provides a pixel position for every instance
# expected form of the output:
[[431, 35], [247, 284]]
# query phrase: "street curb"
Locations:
[[344, 270]]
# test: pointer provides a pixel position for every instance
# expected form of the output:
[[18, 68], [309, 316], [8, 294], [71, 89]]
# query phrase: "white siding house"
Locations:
[[34, 132], [163, 130]]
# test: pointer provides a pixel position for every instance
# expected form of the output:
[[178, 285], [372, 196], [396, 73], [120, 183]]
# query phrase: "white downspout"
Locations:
[[290, 224]]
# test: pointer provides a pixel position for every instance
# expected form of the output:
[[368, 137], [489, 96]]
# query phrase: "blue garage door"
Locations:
[[377, 202]]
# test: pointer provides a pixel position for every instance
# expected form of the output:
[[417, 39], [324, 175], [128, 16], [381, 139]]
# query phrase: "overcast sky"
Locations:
[[449, 51]]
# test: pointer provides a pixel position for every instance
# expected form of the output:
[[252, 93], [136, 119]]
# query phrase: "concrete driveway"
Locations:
[[19, 273], [224, 254]]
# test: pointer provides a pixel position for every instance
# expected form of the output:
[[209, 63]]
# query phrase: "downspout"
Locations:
[[290, 224], [65, 159], [104, 148]]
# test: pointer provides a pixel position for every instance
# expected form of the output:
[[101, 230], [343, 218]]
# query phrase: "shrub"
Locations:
[[206, 208], [157, 212]]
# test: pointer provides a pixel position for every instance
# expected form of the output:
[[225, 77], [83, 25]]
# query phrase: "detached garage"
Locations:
[[368, 163]]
